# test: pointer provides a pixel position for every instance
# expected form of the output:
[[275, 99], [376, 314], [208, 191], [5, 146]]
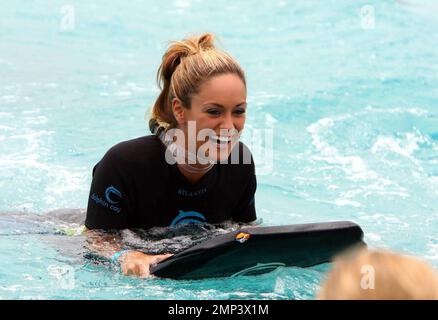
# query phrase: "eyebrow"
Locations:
[[221, 106]]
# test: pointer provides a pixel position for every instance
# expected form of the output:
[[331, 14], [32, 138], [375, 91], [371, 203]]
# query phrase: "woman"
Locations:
[[178, 174]]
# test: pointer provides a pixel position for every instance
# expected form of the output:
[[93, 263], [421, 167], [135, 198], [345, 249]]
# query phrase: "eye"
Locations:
[[239, 111], [213, 112]]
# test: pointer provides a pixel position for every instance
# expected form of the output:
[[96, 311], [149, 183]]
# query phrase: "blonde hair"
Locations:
[[396, 277], [185, 66]]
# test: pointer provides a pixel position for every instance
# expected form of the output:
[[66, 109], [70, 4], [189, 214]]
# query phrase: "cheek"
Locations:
[[239, 123], [206, 123], [215, 123]]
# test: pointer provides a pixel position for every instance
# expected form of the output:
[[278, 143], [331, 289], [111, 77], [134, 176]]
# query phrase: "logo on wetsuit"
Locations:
[[187, 193], [111, 190], [185, 217], [112, 196]]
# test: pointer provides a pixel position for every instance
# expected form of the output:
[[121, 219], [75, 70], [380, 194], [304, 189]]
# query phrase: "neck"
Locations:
[[192, 177], [192, 172]]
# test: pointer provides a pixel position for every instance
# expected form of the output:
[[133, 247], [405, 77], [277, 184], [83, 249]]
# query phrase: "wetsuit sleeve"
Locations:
[[108, 204], [245, 211]]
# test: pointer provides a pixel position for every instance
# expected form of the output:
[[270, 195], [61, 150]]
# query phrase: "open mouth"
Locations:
[[221, 141]]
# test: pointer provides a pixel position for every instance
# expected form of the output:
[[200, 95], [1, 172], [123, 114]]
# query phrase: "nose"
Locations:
[[228, 122]]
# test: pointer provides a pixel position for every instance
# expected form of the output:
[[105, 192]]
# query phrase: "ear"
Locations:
[[178, 111]]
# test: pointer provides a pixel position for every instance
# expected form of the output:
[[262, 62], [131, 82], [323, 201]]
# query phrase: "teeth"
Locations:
[[221, 139]]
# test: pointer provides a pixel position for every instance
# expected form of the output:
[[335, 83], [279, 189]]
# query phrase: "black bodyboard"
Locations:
[[256, 250]]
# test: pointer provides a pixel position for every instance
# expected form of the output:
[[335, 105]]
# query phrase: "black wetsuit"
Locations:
[[134, 187]]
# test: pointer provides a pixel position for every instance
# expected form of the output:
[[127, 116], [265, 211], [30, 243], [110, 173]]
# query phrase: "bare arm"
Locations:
[[102, 243], [132, 262]]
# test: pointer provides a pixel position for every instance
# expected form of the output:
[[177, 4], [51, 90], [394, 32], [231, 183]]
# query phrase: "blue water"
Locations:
[[351, 99]]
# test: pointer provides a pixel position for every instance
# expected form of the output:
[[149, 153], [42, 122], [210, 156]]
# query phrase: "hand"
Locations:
[[136, 263]]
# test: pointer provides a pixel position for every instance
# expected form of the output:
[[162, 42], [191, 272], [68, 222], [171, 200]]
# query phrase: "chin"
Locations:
[[220, 155]]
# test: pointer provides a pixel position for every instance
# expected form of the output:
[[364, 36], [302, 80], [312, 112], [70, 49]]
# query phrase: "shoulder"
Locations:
[[138, 151]]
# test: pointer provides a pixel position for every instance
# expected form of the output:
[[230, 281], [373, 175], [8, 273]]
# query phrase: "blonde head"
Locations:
[[379, 275], [185, 66]]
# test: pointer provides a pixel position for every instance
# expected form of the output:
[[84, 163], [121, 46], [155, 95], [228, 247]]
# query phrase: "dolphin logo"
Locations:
[[111, 190], [185, 217]]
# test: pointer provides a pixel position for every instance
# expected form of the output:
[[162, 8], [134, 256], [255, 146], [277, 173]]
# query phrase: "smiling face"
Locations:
[[220, 106]]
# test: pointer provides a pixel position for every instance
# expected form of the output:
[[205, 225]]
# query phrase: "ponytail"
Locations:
[[185, 66]]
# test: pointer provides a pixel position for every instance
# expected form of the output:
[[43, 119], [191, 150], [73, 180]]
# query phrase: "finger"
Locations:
[[128, 269], [161, 257], [144, 271], [133, 270]]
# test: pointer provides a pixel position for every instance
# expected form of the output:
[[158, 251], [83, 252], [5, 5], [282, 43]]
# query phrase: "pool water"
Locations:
[[344, 95]]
